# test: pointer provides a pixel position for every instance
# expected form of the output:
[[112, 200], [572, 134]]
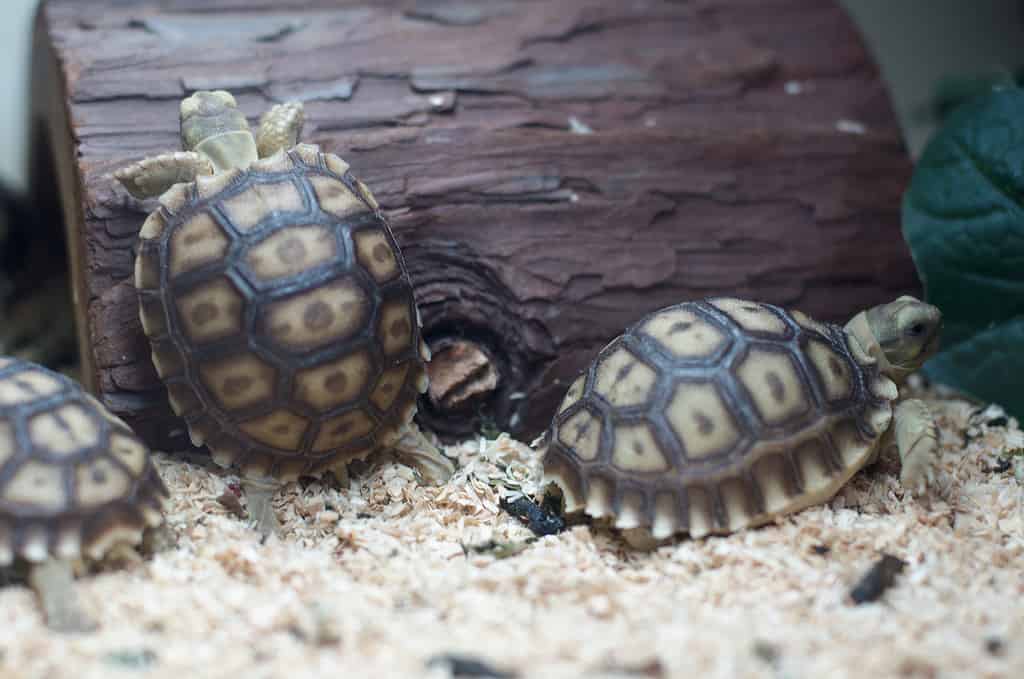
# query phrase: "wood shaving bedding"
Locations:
[[385, 577]]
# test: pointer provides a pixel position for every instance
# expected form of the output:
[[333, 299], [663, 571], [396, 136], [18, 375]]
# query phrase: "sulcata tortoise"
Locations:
[[75, 483], [277, 304], [712, 416]]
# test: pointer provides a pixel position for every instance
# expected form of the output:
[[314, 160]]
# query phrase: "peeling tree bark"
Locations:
[[553, 169], [462, 376]]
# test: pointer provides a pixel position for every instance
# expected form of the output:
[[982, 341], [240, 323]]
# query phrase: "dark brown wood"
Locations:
[[553, 169]]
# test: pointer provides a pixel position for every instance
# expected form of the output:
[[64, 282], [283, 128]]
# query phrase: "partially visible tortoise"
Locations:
[[75, 483], [278, 306], [712, 416]]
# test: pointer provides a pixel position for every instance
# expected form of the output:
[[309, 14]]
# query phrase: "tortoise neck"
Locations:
[[229, 150], [860, 330]]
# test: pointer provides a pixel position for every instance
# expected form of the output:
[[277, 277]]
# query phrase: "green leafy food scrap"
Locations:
[[963, 217]]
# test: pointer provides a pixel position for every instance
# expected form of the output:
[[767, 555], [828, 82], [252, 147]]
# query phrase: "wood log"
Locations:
[[553, 169]]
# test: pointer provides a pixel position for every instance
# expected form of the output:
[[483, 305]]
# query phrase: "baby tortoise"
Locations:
[[712, 416], [276, 301], [75, 483]]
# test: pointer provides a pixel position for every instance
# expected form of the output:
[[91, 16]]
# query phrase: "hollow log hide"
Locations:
[[553, 169]]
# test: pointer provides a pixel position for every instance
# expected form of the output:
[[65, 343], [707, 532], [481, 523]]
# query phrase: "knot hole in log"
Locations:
[[483, 350], [466, 381]]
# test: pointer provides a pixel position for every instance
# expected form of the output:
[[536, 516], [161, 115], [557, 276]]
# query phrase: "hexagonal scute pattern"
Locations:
[[273, 334], [376, 255], [728, 424], [811, 461], [808, 323], [67, 459], [211, 312], [328, 313], [65, 430], [196, 243], [281, 429], [129, 451], [335, 383], [27, 386], [259, 201], [624, 380], [292, 251], [335, 164], [343, 429], [773, 380], [239, 381], [388, 387], [100, 481], [209, 185], [336, 198], [573, 394], [37, 484], [395, 330], [685, 334], [772, 477], [751, 316], [701, 420], [636, 450], [834, 373], [581, 434]]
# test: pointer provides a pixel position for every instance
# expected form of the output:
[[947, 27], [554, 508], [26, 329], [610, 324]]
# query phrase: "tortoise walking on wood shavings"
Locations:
[[276, 301], [712, 416], [75, 483]]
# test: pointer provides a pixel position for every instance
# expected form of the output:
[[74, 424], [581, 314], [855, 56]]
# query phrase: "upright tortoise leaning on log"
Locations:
[[712, 416], [277, 304], [76, 484]]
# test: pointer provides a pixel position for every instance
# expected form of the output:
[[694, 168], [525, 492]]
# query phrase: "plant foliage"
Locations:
[[963, 217]]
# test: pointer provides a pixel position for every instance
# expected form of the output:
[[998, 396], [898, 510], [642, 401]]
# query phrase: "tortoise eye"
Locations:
[[916, 330]]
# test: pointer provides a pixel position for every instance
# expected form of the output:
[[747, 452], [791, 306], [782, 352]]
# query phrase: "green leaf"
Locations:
[[987, 363], [963, 217]]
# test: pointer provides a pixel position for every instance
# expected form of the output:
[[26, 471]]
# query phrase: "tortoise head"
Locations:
[[902, 334], [212, 125]]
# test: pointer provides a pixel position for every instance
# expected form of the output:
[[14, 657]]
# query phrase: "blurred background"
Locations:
[[15, 51]]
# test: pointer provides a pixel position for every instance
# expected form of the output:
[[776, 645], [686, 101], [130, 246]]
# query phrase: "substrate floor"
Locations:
[[378, 579]]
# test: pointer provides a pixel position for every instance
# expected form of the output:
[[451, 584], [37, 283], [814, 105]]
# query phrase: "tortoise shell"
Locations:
[[711, 416], [74, 479], [281, 315]]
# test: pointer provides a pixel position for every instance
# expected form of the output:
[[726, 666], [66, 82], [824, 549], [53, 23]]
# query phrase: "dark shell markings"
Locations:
[[74, 479], [710, 416], [281, 315]]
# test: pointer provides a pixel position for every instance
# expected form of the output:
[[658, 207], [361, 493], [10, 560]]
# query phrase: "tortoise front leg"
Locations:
[[280, 128], [53, 581], [640, 539], [416, 450], [150, 177], [258, 494], [917, 439]]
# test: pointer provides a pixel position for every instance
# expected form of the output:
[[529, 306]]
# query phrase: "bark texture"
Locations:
[[553, 169]]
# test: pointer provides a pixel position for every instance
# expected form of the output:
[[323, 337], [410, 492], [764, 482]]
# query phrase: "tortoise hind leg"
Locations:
[[419, 453], [53, 581], [918, 442], [152, 176], [280, 128], [258, 494]]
